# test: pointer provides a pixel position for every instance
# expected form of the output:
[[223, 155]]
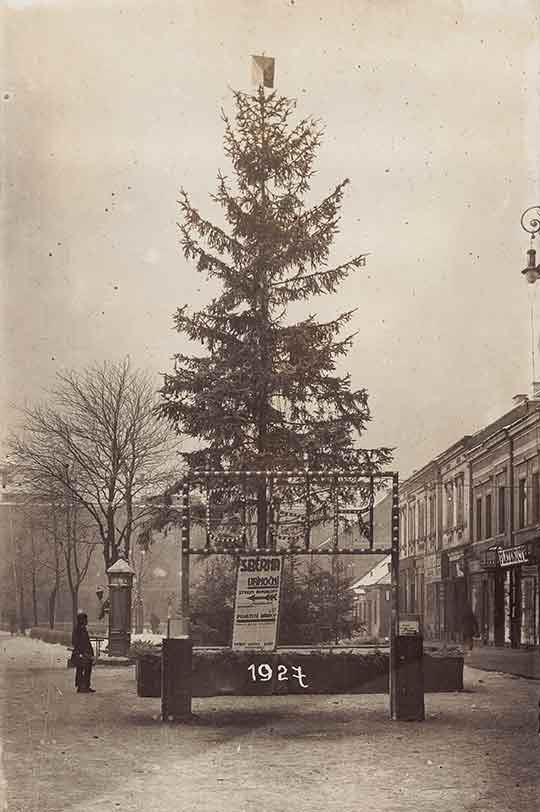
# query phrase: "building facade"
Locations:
[[372, 602], [470, 534]]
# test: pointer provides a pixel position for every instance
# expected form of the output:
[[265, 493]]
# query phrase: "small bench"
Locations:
[[96, 641]]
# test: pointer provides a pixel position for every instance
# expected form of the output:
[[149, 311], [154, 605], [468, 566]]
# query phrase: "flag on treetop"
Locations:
[[262, 69]]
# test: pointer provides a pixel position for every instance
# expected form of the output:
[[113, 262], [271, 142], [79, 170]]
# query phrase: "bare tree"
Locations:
[[24, 570], [97, 444], [71, 542]]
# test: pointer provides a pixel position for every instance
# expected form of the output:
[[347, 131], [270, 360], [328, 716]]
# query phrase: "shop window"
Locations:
[[501, 507], [431, 514], [412, 522], [421, 519], [489, 532], [522, 503], [449, 506], [479, 518], [535, 517], [460, 501]]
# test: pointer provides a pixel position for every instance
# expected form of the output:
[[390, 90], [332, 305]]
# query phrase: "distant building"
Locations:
[[372, 601], [470, 533], [355, 538]]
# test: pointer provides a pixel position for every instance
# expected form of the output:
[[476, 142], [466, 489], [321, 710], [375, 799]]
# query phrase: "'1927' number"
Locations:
[[264, 673]]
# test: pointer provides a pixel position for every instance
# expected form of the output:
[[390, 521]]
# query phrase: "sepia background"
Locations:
[[431, 110]]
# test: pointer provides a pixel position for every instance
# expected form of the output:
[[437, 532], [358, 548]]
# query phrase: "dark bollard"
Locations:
[[409, 694], [176, 679]]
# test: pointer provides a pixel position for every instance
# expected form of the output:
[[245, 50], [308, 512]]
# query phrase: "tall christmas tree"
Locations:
[[266, 390]]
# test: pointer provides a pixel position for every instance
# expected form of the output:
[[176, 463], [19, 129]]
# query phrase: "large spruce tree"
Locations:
[[266, 390]]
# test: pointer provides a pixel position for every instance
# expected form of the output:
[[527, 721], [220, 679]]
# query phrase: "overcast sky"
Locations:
[[431, 109]]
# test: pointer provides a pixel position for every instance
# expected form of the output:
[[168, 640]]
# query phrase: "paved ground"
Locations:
[[521, 662], [477, 751]]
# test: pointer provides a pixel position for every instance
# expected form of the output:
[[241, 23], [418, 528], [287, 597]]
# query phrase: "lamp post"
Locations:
[[530, 222]]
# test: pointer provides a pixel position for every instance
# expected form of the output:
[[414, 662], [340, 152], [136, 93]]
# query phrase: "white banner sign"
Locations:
[[256, 609], [512, 555]]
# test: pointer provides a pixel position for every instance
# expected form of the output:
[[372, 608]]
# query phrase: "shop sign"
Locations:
[[409, 627], [511, 556]]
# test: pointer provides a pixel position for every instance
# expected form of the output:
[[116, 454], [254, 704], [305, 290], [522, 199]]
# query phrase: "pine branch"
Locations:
[[325, 281], [217, 238]]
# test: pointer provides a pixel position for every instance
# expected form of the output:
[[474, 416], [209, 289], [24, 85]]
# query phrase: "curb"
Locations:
[[495, 670]]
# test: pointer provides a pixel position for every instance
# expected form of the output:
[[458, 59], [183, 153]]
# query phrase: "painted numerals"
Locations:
[[265, 672]]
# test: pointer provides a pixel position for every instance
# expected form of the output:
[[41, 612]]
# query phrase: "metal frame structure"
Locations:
[[243, 485]]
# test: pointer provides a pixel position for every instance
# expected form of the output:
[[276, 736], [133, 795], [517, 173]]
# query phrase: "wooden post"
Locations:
[[394, 581], [176, 662]]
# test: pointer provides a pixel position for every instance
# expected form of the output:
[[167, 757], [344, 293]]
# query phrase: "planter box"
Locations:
[[148, 674], [443, 673], [222, 672]]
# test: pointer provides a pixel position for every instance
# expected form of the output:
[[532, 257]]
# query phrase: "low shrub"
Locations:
[[143, 648], [61, 636], [444, 651]]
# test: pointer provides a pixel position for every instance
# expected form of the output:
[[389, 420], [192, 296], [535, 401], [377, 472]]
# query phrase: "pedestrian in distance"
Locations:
[[469, 626], [83, 655], [154, 623]]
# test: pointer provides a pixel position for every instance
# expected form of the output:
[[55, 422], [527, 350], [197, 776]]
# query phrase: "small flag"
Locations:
[[262, 70]]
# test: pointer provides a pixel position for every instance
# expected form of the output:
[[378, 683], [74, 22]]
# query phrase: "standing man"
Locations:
[[83, 655], [469, 626]]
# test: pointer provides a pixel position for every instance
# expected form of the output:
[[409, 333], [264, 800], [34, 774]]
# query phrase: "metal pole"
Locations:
[[178, 626], [394, 581], [183, 574], [371, 511]]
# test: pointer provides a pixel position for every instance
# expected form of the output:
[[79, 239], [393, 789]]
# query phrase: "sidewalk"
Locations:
[[520, 662], [477, 750]]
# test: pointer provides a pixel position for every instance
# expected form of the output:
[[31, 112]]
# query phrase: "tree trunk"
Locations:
[[262, 515], [74, 603], [22, 610], [34, 599], [52, 606]]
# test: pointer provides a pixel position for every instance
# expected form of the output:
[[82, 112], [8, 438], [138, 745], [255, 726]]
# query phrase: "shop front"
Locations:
[[486, 592], [504, 593], [454, 597], [519, 570]]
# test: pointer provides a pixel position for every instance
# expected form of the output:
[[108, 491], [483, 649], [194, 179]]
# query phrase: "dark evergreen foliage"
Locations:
[[266, 390]]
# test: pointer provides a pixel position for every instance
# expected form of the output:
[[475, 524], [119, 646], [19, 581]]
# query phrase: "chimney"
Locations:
[[517, 399]]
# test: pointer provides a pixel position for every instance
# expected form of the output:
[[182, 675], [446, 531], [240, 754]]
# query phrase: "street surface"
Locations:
[[477, 751], [521, 662]]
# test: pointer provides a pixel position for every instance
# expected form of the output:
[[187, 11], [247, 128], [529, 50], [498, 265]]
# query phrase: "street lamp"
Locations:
[[530, 222]]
